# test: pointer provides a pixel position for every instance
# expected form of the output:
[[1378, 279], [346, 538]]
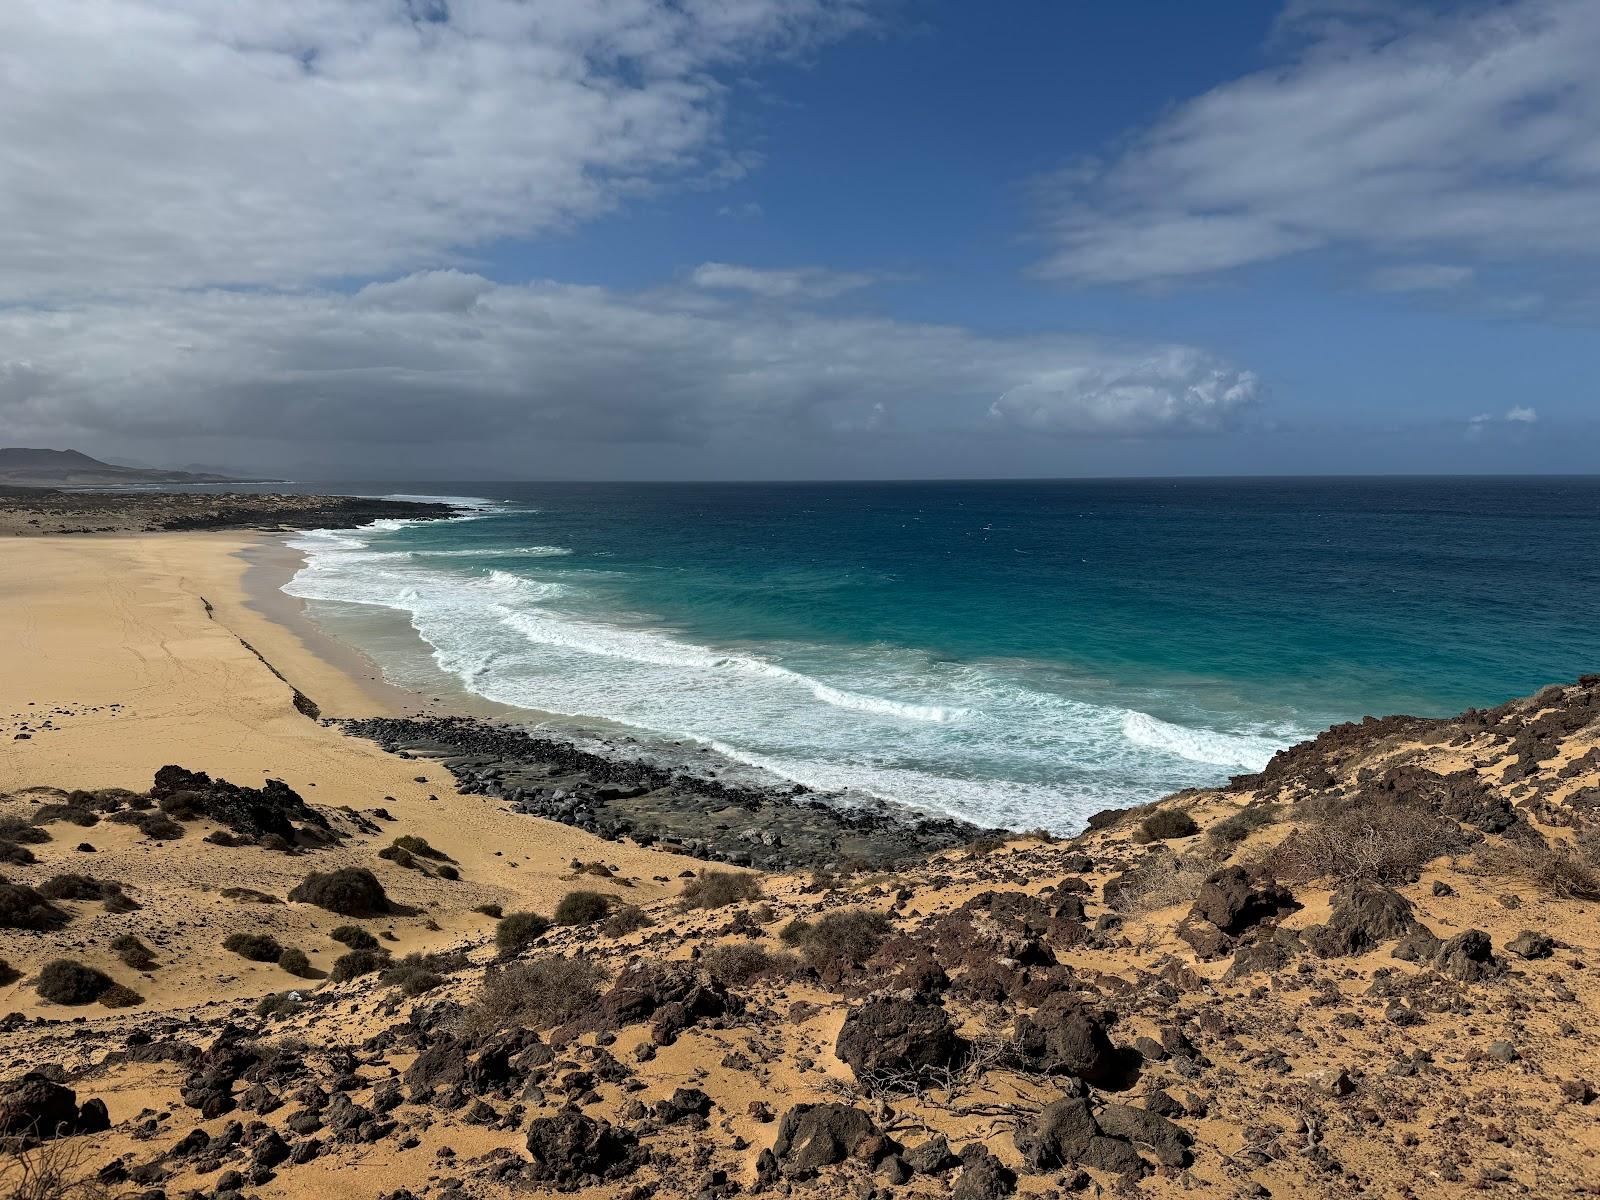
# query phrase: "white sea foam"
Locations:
[[1247, 751], [993, 743]]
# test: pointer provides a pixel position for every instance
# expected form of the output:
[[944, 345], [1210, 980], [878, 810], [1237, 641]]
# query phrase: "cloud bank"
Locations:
[[446, 356], [156, 143], [1393, 131]]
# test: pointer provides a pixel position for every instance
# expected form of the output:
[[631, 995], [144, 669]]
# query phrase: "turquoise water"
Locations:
[[1019, 653]]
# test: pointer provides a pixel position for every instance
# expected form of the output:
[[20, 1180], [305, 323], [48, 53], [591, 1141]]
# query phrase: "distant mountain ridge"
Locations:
[[22, 466]]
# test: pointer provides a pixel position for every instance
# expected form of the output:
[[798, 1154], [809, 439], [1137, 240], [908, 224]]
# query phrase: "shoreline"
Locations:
[[606, 781]]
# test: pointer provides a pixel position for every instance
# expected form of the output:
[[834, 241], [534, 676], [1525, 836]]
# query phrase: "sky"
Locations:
[[734, 239]]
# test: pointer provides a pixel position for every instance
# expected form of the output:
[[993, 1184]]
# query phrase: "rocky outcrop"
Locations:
[[898, 1042]]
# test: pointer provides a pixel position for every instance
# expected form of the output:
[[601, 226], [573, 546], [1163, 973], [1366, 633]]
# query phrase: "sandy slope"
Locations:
[[114, 667]]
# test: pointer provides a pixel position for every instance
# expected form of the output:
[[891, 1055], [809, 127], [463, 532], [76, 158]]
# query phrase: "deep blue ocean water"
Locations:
[[1020, 653]]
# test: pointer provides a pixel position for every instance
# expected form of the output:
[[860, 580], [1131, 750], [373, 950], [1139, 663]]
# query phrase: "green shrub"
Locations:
[[358, 963], [257, 947], [355, 937], [295, 961], [1165, 824], [518, 929], [718, 889], [133, 952], [582, 908], [418, 973], [76, 814], [278, 1004], [349, 891], [23, 908], [63, 981], [1232, 830]]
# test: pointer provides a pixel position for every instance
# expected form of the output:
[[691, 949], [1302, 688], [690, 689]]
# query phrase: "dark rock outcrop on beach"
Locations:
[[773, 827], [36, 511]]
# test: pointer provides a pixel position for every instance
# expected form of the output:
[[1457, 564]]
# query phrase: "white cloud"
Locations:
[[794, 283], [1421, 277], [1516, 416], [1476, 132], [1522, 415], [157, 143], [447, 357]]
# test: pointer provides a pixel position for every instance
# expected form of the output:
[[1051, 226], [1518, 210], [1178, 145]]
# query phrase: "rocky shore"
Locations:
[[26, 511], [773, 827]]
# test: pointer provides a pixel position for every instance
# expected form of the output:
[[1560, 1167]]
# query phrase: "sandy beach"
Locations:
[[115, 667]]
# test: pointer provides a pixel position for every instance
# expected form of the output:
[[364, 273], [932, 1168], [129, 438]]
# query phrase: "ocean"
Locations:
[[1013, 653]]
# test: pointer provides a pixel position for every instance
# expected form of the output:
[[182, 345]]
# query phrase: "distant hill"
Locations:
[[21, 466]]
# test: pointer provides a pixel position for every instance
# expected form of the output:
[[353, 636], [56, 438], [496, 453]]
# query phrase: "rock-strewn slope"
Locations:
[[1367, 970], [34, 512]]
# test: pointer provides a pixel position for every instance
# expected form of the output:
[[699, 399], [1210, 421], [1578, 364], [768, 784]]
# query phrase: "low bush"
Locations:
[[8, 973], [1232, 830], [21, 907], [72, 887], [1388, 845], [15, 829], [64, 981], [718, 889], [155, 825], [133, 952], [295, 961], [489, 910], [539, 995], [76, 814], [741, 962], [519, 929], [16, 855], [1555, 871], [1159, 880], [257, 947], [847, 935], [119, 995], [358, 963], [626, 919], [418, 973], [1164, 825], [349, 891], [582, 908], [446, 871], [277, 1004], [412, 844], [355, 937]]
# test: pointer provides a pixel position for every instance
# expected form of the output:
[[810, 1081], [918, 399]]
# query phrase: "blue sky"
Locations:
[[808, 238]]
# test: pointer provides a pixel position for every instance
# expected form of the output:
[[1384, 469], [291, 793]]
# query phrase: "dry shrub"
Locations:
[[1165, 824], [1232, 830], [418, 973], [1158, 881], [489, 910], [1555, 871], [1385, 845], [741, 962], [15, 829], [278, 1004], [133, 952], [582, 908], [718, 889], [295, 961], [847, 935], [23, 908], [358, 963], [119, 995], [52, 1170], [519, 929], [540, 994], [626, 919], [419, 846], [350, 892]]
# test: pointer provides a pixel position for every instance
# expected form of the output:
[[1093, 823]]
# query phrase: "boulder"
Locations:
[[33, 1105], [898, 1040], [571, 1150], [812, 1136], [1063, 1037], [1364, 916], [1065, 1133]]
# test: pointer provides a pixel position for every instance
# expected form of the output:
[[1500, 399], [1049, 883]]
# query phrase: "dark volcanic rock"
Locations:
[[1363, 917], [812, 1136], [34, 1105], [1063, 1037], [897, 1041], [571, 1150], [274, 808], [778, 826], [1066, 1133]]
